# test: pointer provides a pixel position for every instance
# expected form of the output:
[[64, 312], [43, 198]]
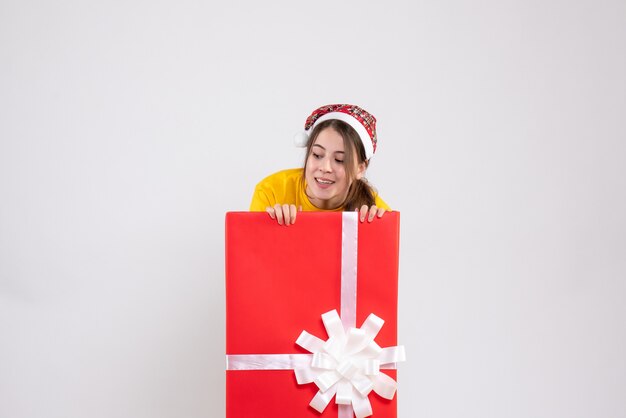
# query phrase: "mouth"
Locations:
[[324, 183]]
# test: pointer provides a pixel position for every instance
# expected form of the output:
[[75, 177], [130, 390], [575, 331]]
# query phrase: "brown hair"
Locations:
[[360, 192]]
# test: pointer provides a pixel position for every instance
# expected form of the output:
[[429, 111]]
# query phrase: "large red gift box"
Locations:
[[279, 280]]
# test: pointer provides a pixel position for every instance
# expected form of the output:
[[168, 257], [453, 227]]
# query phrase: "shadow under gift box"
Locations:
[[279, 281]]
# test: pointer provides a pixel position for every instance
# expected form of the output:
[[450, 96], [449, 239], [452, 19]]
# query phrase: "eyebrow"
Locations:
[[336, 152]]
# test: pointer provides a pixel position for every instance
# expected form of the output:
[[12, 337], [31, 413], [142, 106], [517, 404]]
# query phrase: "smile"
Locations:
[[324, 181]]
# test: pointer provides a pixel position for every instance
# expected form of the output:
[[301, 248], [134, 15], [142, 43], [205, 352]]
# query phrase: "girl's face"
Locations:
[[327, 182]]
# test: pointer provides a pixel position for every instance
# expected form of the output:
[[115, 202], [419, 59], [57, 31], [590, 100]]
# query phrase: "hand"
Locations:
[[285, 214], [370, 213]]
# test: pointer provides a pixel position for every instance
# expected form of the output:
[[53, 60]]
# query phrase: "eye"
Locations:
[[339, 161], [316, 156]]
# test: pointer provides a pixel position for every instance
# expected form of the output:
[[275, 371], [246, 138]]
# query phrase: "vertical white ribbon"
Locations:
[[349, 258]]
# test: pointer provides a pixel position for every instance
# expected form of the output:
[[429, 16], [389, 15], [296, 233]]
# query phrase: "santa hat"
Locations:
[[359, 119]]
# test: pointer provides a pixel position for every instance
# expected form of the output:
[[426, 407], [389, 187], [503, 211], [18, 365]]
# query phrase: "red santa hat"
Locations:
[[363, 123]]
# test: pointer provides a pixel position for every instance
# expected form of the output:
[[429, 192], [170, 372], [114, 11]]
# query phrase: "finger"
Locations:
[[363, 213], [300, 208], [372, 213], [271, 212], [381, 212], [279, 213], [292, 213], [286, 215]]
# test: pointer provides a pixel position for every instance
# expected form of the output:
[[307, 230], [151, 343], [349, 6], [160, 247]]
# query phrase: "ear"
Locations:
[[360, 170]]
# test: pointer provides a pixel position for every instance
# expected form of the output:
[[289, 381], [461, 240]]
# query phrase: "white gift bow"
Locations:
[[347, 365], [355, 365]]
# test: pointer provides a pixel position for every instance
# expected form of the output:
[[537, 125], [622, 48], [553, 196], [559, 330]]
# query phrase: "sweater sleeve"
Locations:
[[260, 200], [381, 203], [276, 188]]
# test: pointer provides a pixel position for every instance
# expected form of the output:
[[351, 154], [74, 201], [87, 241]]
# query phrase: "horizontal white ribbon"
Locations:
[[276, 362], [267, 361]]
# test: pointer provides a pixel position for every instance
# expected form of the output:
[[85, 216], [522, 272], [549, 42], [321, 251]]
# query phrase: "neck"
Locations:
[[324, 204]]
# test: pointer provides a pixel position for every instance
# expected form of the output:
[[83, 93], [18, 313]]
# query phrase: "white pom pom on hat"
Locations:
[[300, 139], [363, 123]]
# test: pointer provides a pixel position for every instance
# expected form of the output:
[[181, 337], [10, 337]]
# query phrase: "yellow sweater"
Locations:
[[286, 187]]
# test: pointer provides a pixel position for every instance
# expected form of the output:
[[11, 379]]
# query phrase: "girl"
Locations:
[[341, 142]]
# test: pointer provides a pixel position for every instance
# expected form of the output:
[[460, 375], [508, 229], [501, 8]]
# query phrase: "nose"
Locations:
[[325, 165]]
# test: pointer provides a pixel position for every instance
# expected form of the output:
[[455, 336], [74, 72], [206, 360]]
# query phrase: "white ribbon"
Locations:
[[267, 361], [347, 365], [349, 258]]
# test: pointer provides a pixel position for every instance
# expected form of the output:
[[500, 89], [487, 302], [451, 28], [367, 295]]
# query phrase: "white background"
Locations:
[[128, 129]]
